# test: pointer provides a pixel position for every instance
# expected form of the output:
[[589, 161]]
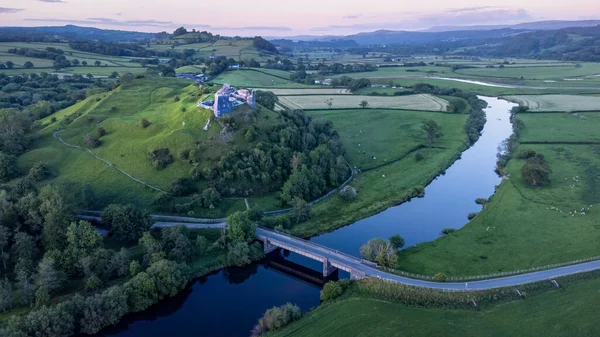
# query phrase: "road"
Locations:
[[352, 262]]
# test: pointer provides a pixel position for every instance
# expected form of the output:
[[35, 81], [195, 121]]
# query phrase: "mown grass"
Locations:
[[558, 313], [551, 72], [252, 78], [392, 135], [410, 102]]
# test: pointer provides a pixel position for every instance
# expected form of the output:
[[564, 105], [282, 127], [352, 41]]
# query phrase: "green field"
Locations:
[[389, 136], [304, 92], [524, 226], [412, 102], [559, 313], [253, 78], [553, 127], [538, 72], [558, 102], [126, 143]]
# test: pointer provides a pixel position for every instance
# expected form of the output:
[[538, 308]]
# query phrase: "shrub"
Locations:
[[93, 283], [145, 123], [348, 193], [101, 132], [536, 171], [177, 99], [447, 231], [419, 156], [276, 318], [481, 201], [160, 158], [331, 290], [440, 277], [526, 154], [184, 154], [92, 142], [182, 187], [113, 109], [397, 241], [471, 216], [53, 119], [39, 171]]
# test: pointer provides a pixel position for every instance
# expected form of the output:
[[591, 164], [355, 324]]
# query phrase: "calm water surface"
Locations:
[[229, 302]]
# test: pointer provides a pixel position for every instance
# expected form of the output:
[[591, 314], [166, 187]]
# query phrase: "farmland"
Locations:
[[382, 144], [304, 92], [412, 102], [564, 312], [254, 78], [523, 226], [537, 72], [558, 102]]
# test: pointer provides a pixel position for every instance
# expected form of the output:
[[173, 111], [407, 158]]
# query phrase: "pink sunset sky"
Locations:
[[286, 18]]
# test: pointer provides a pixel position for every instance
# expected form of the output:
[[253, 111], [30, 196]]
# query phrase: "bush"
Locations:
[[447, 231], [8, 167], [101, 132], [440, 277], [39, 171], [536, 171], [481, 201], [177, 99], [145, 123], [348, 193], [92, 142], [526, 154], [419, 156], [331, 290], [471, 216], [276, 318], [160, 158], [182, 187], [184, 154], [53, 119]]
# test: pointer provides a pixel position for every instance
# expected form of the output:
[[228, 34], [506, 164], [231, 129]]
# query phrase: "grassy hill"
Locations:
[[174, 124]]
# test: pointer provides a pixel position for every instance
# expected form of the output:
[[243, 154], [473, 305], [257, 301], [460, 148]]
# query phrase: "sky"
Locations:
[[288, 18]]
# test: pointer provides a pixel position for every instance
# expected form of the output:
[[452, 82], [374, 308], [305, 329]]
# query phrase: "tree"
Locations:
[[363, 104], [39, 171], [397, 241], [300, 210], [141, 292], [75, 62], [121, 263], [240, 228], [153, 250], [380, 251], [134, 268], [276, 318], [82, 238], [97, 63], [180, 31], [145, 123], [432, 130], [9, 64], [6, 297], [92, 142], [201, 245], [28, 65], [331, 290], [103, 310], [5, 236], [84, 63], [24, 252], [348, 193], [126, 222], [238, 254], [169, 277], [176, 244], [8, 167], [114, 74], [329, 102], [536, 171], [48, 276], [160, 158], [50, 321], [101, 132], [56, 213], [210, 198]]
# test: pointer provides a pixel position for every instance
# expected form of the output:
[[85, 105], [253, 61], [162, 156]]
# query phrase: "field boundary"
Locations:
[[558, 143]]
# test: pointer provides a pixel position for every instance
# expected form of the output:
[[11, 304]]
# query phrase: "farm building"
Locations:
[[228, 98], [198, 78]]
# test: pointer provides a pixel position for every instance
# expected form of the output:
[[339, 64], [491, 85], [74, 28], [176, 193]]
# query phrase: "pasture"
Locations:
[[558, 102], [412, 102], [559, 127], [564, 312], [253, 78], [536, 72], [304, 92]]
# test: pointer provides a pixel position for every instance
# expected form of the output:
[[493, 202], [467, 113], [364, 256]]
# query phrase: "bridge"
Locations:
[[360, 268]]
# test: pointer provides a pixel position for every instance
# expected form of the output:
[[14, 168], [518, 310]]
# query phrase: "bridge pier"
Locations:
[[268, 247], [328, 269], [357, 275]]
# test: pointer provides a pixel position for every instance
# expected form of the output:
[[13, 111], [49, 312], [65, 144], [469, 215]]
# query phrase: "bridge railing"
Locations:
[[314, 244]]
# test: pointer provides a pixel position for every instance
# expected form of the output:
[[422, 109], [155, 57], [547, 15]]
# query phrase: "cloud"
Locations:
[[156, 23], [468, 9], [54, 1], [10, 10], [351, 17]]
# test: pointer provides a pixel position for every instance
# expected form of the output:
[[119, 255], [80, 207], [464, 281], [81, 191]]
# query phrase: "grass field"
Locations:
[[558, 102], [387, 135], [126, 143], [559, 313], [552, 127], [538, 72], [252, 78], [526, 226], [412, 102], [303, 92]]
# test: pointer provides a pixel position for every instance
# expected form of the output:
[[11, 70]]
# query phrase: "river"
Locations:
[[230, 301]]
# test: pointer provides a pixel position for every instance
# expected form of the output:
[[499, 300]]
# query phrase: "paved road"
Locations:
[[352, 262]]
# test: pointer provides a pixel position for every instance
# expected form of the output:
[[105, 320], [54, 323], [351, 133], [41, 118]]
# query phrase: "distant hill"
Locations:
[[408, 37], [537, 25], [69, 33]]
